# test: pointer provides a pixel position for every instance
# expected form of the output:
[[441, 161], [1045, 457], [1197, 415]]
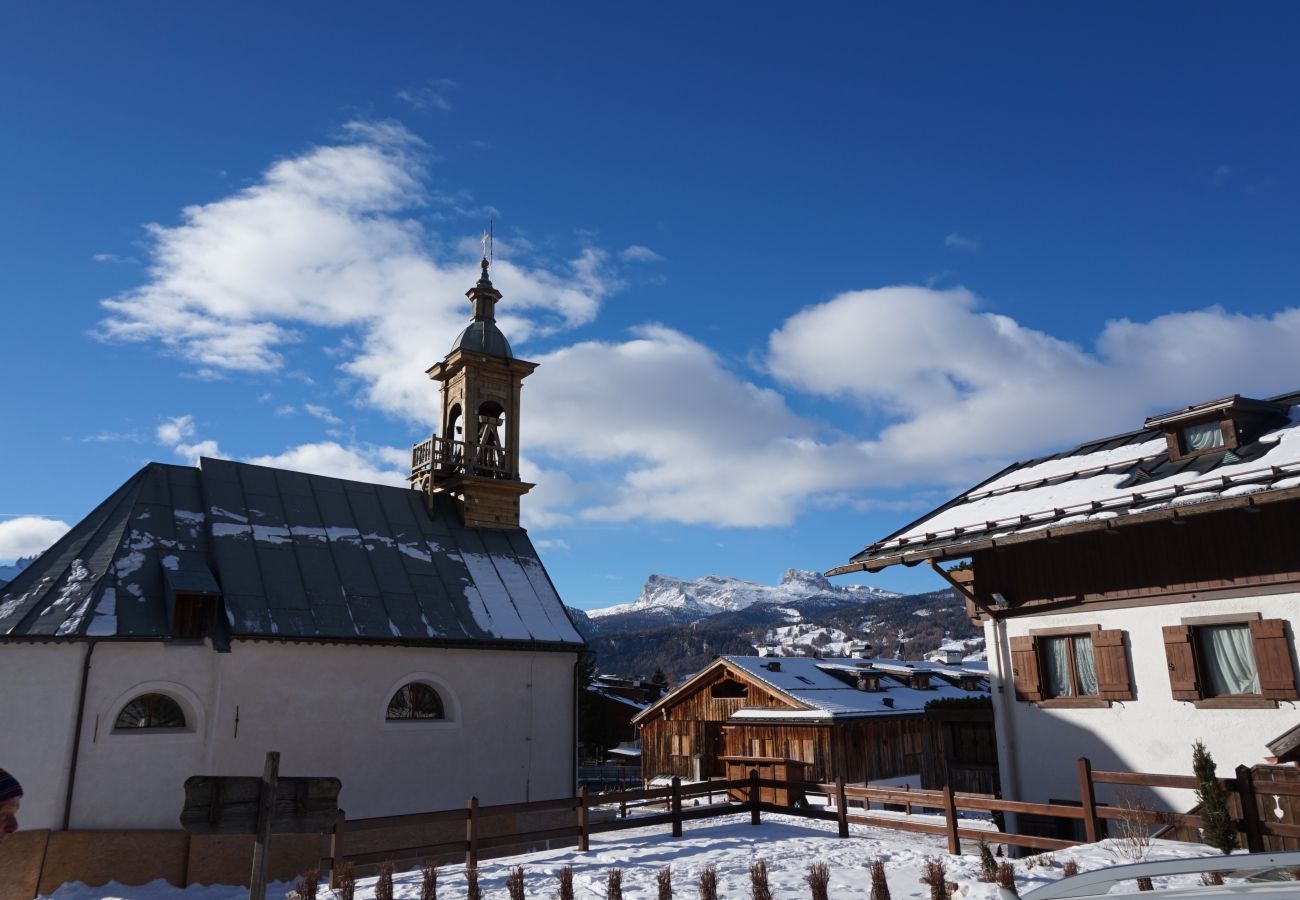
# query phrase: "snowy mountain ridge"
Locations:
[[677, 598]]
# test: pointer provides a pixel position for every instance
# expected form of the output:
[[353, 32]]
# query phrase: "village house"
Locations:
[[407, 641], [857, 719], [1138, 593]]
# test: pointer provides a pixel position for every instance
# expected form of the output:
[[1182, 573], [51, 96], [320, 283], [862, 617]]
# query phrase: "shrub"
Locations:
[[472, 891], [428, 880], [384, 885], [988, 865], [1070, 868], [758, 885], [566, 883], [309, 884], [515, 883], [345, 876], [1006, 875], [1212, 879], [614, 885], [879, 884], [708, 883], [664, 881], [936, 876], [819, 879], [1219, 830]]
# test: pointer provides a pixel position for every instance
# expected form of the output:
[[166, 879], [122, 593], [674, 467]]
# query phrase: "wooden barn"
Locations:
[[857, 719]]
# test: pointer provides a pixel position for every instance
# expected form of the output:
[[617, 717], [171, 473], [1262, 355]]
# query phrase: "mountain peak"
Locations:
[[679, 599]]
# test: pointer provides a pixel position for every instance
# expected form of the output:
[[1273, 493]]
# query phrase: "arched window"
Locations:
[[415, 701], [150, 711]]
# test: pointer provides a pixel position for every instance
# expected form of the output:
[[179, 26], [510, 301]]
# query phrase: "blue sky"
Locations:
[[793, 275]]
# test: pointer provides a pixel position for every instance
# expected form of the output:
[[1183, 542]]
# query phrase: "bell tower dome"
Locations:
[[476, 458]]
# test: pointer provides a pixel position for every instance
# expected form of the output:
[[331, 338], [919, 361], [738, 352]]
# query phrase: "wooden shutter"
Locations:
[[1182, 662], [1273, 658], [1024, 669], [1114, 681]]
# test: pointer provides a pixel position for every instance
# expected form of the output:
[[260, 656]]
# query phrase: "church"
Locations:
[[407, 641]]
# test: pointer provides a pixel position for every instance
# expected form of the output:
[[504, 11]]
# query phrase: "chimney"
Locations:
[[868, 681], [773, 666], [888, 701]]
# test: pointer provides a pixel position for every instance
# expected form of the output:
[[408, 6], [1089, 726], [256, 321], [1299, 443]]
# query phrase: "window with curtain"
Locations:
[[1205, 436], [1069, 666], [1227, 658]]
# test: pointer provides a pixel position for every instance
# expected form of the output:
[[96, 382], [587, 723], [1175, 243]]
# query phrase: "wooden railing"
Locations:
[[839, 807], [446, 456]]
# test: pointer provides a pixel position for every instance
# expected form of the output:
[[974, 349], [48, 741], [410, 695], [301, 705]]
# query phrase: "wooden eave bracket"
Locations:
[[961, 588]]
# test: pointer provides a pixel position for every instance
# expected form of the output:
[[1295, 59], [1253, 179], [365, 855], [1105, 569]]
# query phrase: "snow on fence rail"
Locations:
[[747, 795]]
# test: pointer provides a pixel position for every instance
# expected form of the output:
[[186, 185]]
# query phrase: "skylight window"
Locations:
[[804, 680]]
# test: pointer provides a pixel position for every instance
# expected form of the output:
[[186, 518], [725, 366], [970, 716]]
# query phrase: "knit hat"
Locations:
[[9, 787]]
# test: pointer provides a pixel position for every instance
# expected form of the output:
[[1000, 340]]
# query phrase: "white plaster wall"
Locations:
[[509, 736], [39, 686], [1038, 748]]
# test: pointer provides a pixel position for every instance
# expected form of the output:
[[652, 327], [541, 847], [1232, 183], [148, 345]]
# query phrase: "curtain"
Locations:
[[1058, 667], [1085, 666], [1229, 659], [1203, 437]]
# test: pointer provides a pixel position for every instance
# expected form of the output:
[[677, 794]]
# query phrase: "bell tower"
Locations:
[[476, 459]]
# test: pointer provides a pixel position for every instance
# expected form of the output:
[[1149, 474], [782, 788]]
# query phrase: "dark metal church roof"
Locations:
[[290, 555]]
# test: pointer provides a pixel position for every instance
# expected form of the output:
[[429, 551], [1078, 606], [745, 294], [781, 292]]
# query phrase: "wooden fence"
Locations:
[[839, 807]]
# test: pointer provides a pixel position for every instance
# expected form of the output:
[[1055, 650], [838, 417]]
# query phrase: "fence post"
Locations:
[[336, 848], [471, 834], [754, 797], [1249, 809], [907, 807], [842, 807], [583, 830], [1088, 800], [950, 820], [676, 803]]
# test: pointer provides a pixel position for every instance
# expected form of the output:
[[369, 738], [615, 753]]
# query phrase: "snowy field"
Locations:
[[730, 844]]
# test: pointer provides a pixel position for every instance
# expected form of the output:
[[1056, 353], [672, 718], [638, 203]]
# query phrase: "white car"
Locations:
[[1266, 874]]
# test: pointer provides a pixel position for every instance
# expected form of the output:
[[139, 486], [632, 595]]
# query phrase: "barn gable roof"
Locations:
[[821, 689], [291, 555], [1112, 481]]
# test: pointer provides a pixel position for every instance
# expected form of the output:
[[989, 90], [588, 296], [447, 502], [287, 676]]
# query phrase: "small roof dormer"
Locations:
[[1217, 426]]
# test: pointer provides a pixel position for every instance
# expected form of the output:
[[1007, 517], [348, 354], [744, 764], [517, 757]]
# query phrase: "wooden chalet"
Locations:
[[1138, 593], [857, 719]]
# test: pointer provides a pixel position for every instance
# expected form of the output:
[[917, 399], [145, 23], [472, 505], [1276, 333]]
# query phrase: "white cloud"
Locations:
[[327, 239], [192, 453], [639, 253], [965, 391], [364, 463], [322, 412], [28, 536], [430, 95], [955, 241], [658, 428], [175, 430]]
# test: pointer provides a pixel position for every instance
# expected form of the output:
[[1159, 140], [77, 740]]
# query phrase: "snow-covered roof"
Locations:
[[814, 684], [290, 555], [617, 698], [1096, 485]]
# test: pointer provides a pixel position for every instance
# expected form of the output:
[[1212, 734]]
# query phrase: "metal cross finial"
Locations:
[[488, 242]]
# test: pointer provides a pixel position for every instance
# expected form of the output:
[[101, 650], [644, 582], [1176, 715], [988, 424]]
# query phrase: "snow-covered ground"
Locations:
[[729, 844]]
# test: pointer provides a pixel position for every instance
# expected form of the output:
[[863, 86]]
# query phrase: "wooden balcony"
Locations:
[[443, 458]]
